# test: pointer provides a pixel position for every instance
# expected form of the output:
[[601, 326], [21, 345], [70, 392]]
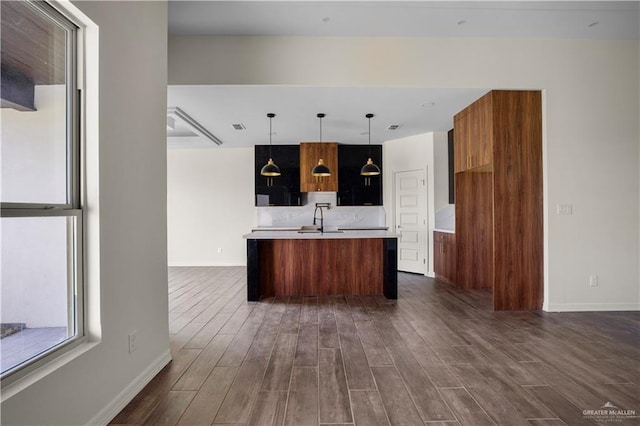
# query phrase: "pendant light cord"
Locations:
[[270, 134], [320, 116], [369, 136]]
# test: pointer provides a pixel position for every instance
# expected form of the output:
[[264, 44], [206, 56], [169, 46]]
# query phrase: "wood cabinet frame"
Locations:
[[499, 207]]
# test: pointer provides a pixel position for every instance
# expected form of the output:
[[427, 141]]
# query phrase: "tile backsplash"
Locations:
[[336, 216], [446, 218]]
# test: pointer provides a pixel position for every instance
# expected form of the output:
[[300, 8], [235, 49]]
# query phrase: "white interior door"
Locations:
[[410, 218]]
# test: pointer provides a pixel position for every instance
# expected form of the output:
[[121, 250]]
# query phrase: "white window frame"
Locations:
[[82, 202]]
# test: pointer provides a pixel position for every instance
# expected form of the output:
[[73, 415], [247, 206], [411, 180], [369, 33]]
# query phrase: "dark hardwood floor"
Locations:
[[436, 356]]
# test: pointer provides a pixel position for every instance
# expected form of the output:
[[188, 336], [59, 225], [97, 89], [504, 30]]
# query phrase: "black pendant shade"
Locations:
[[370, 169], [321, 169], [270, 169]]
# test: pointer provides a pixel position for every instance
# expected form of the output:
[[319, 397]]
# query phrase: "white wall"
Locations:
[[440, 170], [591, 137], [130, 292], [210, 205], [417, 153]]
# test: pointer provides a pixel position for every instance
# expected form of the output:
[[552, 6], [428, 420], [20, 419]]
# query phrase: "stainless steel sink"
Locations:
[[315, 229]]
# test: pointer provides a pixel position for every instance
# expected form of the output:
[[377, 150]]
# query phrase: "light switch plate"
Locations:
[[565, 209], [133, 341]]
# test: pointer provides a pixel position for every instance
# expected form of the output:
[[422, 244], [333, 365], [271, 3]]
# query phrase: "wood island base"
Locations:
[[322, 267]]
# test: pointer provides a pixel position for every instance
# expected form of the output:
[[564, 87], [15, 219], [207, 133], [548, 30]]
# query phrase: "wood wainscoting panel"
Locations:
[[309, 267]]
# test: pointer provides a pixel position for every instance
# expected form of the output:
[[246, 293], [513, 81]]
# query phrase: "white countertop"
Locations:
[[295, 235], [342, 228], [446, 231]]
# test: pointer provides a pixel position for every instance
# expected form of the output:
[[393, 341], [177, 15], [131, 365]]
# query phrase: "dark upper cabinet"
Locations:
[[283, 190], [353, 188]]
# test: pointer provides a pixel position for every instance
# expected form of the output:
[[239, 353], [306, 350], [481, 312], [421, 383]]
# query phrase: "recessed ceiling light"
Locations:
[[364, 133], [428, 104], [239, 126], [393, 127], [462, 22], [593, 24], [326, 19]]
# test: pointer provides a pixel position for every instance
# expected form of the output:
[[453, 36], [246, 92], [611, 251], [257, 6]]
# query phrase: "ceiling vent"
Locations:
[[184, 131], [239, 126], [393, 127]]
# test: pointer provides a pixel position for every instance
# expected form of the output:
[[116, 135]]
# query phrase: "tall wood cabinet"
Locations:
[[498, 191], [310, 153]]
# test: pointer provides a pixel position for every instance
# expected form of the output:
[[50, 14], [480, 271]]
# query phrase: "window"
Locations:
[[41, 285]]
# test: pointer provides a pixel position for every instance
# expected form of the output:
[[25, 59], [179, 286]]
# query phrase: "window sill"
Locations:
[[21, 383]]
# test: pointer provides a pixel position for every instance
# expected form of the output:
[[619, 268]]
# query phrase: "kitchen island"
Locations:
[[292, 263]]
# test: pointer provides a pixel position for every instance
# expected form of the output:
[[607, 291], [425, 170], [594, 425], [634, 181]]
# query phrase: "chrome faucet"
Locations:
[[315, 212]]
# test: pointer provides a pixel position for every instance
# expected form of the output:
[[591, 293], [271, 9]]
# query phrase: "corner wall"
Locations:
[[418, 152], [210, 205], [591, 137]]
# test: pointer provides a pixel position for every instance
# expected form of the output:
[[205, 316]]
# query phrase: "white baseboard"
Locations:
[[591, 307], [205, 264], [127, 394]]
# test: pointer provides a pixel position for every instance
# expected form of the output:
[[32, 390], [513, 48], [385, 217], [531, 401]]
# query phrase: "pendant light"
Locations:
[[321, 169], [270, 169], [370, 169]]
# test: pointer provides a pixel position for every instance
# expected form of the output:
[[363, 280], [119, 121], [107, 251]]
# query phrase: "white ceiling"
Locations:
[[416, 110], [534, 19], [218, 107]]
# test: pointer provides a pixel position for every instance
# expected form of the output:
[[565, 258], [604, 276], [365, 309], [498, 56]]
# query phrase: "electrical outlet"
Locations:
[[565, 209], [593, 281], [133, 344], [219, 249]]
